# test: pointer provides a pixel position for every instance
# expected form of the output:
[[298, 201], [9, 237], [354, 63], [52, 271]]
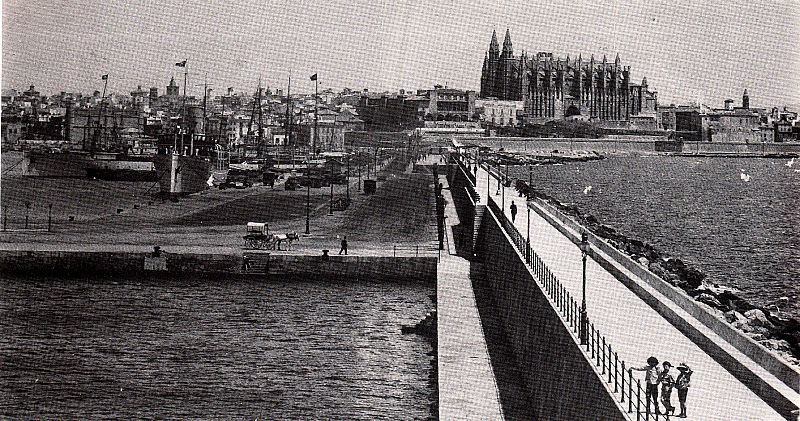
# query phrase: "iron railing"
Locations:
[[607, 363]]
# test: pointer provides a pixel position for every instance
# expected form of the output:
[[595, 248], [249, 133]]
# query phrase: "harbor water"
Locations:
[[734, 219], [212, 349]]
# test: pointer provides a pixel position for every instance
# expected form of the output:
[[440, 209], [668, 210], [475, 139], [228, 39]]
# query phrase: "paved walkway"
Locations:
[[636, 330], [467, 386]]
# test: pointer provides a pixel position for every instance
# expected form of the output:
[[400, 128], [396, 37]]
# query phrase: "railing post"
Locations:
[[630, 390], [622, 386], [604, 355], [591, 341], [616, 372], [638, 399]]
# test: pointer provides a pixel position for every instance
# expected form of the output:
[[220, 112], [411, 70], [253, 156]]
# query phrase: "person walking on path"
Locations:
[[652, 377], [682, 384], [344, 246], [513, 208], [667, 383]]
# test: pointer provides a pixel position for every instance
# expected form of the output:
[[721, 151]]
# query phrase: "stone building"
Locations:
[[498, 112], [553, 88]]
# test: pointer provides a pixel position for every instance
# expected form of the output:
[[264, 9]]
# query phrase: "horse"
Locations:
[[289, 237]]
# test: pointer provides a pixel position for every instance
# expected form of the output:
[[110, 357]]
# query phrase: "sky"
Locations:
[[689, 50]]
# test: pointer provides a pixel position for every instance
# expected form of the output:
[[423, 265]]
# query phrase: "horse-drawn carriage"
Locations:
[[259, 237]]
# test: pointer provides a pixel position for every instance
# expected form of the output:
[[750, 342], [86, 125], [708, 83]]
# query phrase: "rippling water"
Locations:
[[212, 349], [741, 234]]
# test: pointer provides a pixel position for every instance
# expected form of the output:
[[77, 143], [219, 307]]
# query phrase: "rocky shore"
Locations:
[[763, 324], [502, 157]]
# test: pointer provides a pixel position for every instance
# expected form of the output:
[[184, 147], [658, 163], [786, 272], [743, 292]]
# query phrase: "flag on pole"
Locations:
[[104, 77], [181, 64], [314, 76]]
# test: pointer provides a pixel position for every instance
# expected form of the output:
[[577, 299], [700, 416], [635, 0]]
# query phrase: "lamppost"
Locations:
[[584, 327], [348, 180], [488, 181], [331, 181], [359, 171], [528, 239], [503, 197]]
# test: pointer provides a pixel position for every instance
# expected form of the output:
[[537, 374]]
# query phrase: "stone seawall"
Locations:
[[85, 263], [545, 350]]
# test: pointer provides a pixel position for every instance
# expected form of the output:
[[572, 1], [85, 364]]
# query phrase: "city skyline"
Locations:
[[387, 47]]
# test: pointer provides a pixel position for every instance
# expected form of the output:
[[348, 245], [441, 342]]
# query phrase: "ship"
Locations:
[[180, 175]]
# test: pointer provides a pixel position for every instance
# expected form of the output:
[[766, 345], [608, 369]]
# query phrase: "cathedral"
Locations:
[[555, 88]]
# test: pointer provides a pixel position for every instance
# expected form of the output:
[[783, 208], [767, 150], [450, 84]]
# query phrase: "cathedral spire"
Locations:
[[493, 46], [508, 51]]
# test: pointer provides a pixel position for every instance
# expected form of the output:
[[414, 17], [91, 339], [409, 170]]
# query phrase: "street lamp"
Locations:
[[584, 327], [331, 181], [528, 240]]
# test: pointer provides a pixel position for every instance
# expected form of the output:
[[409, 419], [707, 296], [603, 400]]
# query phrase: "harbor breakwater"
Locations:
[[84, 263]]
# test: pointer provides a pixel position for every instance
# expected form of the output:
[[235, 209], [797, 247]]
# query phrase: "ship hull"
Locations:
[[43, 164], [181, 175], [123, 170]]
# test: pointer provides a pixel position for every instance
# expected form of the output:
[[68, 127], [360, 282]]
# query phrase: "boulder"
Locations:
[[643, 261], [710, 300], [658, 270], [757, 318], [734, 316]]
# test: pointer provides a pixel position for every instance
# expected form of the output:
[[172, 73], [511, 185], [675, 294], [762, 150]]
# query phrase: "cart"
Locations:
[[258, 236]]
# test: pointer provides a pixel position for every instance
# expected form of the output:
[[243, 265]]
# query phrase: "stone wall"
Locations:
[[561, 380], [73, 263]]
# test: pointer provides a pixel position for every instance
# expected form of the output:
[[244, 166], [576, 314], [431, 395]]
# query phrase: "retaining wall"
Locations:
[[561, 380], [75, 263]]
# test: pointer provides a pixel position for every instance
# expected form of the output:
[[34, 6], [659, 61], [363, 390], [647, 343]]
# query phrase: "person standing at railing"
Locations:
[[667, 382], [682, 384], [513, 208], [652, 377]]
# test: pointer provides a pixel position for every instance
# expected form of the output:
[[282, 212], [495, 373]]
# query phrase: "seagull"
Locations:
[[587, 189], [744, 177], [790, 163]]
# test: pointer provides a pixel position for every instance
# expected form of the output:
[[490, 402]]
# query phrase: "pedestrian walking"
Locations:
[[652, 377], [682, 384], [344, 246], [667, 383], [513, 208]]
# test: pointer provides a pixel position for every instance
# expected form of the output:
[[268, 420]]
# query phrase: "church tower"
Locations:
[[745, 100], [491, 62]]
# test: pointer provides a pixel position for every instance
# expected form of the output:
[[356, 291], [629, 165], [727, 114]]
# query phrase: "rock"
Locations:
[[658, 270], [710, 300], [777, 345], [743, 326], [756, 317], [643, 261], [734, 316]]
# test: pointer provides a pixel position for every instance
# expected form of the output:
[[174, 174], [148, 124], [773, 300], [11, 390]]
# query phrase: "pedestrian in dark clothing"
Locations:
[[682, 384], [652, 377], [344, 246], [513, 208], [667, 382]]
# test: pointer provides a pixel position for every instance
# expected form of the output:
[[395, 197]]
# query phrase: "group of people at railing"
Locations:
[[656, 376]]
